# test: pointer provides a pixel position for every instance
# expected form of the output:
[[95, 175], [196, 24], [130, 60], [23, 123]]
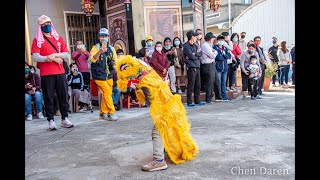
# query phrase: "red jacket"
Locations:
[[159, 62], [236, 50]]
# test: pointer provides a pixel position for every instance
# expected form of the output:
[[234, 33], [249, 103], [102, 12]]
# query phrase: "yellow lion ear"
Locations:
[[122, 85]]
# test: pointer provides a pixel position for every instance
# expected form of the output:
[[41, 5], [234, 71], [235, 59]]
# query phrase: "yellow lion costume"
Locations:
[[166, 109]]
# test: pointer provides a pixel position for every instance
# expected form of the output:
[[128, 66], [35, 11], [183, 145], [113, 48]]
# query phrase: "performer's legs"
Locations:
[[158, 162]]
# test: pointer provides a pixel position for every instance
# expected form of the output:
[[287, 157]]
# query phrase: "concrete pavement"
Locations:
[[241, 139]]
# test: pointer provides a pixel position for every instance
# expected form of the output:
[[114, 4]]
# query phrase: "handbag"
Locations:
[[176, 60]]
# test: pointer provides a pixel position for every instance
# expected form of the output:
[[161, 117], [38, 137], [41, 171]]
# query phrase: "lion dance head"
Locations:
[[129, 68]]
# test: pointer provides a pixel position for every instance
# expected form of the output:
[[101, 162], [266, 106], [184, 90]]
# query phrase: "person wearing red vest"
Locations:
[[49, 51]]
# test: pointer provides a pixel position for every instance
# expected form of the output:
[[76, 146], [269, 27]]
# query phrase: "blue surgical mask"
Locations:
[[274, 41], [234, 39], [26, 70], [177, 43], [104, 39], [149, 43], [46, 28], [220, 43], [167, 47]]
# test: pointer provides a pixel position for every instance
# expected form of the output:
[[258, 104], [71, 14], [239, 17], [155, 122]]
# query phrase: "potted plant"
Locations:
[[271, 70]]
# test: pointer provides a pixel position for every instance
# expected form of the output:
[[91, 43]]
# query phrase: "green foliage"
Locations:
[[271, 69]]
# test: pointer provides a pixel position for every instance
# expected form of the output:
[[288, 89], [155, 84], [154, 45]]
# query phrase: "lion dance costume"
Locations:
[[166, 109]]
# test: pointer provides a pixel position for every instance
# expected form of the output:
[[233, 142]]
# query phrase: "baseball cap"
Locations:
[[209, 36], [149, 38], [225, 34], [191, 33], [42, 19], [103, 32]]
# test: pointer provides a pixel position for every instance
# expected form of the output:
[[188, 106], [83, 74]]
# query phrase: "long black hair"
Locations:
[[180, 45], [233, 35]]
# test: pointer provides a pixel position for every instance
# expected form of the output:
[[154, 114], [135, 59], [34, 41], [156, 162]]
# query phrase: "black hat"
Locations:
[[191, 33], [220, 37], [225, 34], [209, 36]]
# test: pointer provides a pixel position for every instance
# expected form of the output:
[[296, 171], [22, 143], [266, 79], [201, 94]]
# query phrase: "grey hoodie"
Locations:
[[245, 60]]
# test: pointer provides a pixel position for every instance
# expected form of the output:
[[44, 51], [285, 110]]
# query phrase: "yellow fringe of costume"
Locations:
[[166, 109]]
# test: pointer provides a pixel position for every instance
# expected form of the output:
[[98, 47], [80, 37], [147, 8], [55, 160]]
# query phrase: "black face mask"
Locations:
[[243, 36]]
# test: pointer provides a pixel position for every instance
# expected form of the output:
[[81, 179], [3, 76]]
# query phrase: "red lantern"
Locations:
[[215, 4]]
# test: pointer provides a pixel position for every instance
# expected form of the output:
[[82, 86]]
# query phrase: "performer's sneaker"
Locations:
[[155, 165], [52, 125], [104, 116], [112, 117], [66, 123]]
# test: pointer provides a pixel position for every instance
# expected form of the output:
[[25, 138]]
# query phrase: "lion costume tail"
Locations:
[[169, 116]]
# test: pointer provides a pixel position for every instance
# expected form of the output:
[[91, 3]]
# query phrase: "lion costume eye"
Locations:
[[123, 67]]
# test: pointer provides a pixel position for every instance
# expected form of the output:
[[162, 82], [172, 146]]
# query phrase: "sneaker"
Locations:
[[52, 125], [258, 97], [200, 103], [66, 123], [40, 115], [29, 118], [228, 89], [112, 117], [190, 105], [104, 116], [226, 99], [155, 166], [179, 91], [253, 98]]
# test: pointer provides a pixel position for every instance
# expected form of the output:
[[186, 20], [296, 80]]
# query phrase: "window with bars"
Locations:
[[80, 27]]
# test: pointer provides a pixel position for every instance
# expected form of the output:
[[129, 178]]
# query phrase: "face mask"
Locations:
[[167, 47], [199, 37], [250, 51], [149, 43], [32, 71], [220, 43], [74, 69], [195, 40], [274, 41], [26, 70], [104, 39], [254, 62], [235, 39], [177, 43], [78, 46], [243, 36], [46, 28], [159, 49]]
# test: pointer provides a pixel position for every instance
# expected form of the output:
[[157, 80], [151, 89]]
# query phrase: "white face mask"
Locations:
[[159, 49], [254, 62]]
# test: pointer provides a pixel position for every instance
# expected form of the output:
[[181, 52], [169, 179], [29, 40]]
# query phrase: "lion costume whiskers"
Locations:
[[166, 109]]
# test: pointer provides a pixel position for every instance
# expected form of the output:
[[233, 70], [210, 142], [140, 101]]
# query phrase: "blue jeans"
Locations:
[[284, 74], [115, 95], [37, 97], [223, 78]]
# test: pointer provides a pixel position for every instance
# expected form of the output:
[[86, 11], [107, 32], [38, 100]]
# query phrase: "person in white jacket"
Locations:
[[284, 63]]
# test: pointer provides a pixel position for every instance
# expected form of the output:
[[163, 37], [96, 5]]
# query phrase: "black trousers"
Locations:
[[275, 76], [86, 78], [293, 74], [254, 83], [209, 72], [194, 83], [246, 84], [263, 69], [51, 84], [203, 78]]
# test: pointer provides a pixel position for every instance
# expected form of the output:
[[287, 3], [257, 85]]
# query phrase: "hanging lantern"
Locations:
[[87, 7], [215, 4]]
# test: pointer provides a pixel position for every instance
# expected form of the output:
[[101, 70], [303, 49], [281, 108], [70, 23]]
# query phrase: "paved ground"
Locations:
[[241, 139]]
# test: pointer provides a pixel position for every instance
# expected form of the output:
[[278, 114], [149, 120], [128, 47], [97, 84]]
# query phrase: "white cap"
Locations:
[[103, 32], [42, 19]]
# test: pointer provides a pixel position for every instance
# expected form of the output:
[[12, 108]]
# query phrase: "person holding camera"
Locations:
[[80, 57]]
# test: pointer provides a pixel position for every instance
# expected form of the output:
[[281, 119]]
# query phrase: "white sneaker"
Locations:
[[179, 91], [40, 115], [52, 125], [155, 166], [66, 123], [29, 118], [112, 117]]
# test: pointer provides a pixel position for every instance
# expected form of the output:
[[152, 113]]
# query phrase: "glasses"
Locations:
[[46, 23]]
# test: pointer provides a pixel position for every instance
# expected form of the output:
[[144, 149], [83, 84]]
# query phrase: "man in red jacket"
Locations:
[[49, 51]]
